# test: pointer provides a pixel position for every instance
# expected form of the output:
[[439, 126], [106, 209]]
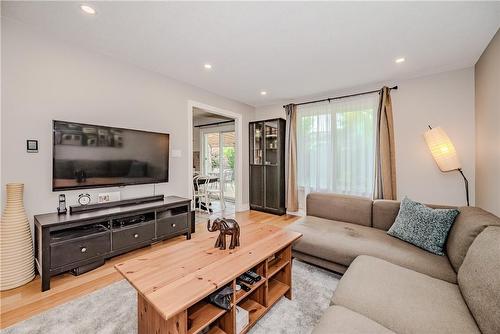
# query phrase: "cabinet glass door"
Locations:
[[256, 143], [271, 142]]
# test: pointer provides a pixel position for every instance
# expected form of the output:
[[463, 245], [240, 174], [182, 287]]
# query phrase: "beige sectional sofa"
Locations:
[[390, 286]]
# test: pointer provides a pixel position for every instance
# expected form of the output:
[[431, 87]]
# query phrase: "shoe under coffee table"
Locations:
[[172, 283]]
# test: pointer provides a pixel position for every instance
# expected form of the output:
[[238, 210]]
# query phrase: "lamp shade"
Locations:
[[442, 149]]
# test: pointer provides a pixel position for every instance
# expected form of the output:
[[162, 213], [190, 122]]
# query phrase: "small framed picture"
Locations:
[[32, 146]]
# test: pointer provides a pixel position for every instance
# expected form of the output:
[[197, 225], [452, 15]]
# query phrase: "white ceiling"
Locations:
[[289, 49]]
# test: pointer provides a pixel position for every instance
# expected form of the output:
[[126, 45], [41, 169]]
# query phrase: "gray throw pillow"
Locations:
[[422, 226]]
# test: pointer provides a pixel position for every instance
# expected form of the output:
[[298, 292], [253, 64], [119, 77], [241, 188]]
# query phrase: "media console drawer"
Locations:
[[79, 249], [171, 224], [127, 236]]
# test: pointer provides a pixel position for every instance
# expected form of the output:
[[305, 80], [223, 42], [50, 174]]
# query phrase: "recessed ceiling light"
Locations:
[[208, 66], [400, 60], [88, 9], [263, 92]]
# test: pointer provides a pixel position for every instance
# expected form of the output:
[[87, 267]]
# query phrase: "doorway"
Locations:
[[216, 160]]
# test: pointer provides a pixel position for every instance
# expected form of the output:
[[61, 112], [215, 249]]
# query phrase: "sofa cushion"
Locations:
[[352, 209], [342, 242], [384, 213], [470, 222], [422, 226], [479, 280], [403, 300], [339, 320]]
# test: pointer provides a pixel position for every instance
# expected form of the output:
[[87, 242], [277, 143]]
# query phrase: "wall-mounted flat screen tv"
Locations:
[[92, 156]]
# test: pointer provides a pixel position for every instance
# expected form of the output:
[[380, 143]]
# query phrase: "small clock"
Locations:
[[84, 199]]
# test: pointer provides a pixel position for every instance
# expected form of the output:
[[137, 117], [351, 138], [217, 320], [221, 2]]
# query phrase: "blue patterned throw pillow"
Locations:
[[422, 226]]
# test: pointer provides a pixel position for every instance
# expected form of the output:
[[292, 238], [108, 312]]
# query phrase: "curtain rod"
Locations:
[[341, 97]]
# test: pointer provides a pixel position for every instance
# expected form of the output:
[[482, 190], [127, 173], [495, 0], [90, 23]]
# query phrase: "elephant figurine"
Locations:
[[225, 227]]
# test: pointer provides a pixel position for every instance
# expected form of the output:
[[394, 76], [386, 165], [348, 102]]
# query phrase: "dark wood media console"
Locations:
[[80, 242]]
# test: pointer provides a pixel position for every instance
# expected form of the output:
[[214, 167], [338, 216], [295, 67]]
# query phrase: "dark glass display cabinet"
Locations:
[[267, 166]]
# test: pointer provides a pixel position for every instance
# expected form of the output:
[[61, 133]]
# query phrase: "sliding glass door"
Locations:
[[219, 156]]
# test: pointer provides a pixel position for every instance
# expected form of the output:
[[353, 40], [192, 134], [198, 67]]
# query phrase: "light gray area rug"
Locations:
[[113, 309], [312, 291]]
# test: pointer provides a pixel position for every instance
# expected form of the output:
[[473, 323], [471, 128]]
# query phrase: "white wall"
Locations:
[[45, 79], [446, 100], [487, 72], [272, 111]]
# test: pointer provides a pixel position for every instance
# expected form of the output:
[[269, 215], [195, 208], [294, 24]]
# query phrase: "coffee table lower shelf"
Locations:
[[276, 282]]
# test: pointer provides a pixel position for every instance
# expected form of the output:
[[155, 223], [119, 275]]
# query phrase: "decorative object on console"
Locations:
[[61, 208], [422, 226], [17, 261], [84, 199], [225, 227], [443, 151]]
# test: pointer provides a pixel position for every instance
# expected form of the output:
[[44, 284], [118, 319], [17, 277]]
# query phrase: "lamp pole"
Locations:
[[466, 185]]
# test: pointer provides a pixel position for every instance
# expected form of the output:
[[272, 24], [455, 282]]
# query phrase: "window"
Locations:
[[336, 144]]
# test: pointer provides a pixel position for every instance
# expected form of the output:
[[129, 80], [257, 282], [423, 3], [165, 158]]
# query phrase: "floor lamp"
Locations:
[[444, 153]]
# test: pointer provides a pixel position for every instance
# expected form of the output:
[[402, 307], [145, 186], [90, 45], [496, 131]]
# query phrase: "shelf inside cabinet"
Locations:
[[201, 315], [255, 311], [277, 290], [275, 266], [216, 330], [242, 293]]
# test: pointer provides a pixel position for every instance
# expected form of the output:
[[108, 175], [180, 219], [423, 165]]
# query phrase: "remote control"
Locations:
[[253, 275], [246, 279], [243, 286]]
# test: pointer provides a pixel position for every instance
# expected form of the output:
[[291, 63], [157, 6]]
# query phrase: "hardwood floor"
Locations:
[[26, 301]]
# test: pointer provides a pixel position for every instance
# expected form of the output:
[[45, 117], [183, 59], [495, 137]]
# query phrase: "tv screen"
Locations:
[[91, 156]]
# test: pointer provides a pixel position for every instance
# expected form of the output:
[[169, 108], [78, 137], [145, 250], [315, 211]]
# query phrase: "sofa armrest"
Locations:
[[350, 209]]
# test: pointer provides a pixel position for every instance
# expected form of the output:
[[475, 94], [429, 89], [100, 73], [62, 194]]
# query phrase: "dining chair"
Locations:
[[214, 190], [199, 193]]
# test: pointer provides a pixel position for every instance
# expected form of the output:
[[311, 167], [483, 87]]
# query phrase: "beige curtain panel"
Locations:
[[292, 197], [385, 156]]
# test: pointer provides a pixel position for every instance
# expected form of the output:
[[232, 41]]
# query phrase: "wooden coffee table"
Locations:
[[172, 283]]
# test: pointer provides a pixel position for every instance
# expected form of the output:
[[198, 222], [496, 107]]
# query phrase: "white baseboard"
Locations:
[[242, 207], [300, 213]]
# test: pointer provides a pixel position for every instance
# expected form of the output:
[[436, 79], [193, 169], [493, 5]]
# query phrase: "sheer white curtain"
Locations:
[[335, 146]]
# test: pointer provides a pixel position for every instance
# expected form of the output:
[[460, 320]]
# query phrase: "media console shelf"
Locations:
[[80, 242]]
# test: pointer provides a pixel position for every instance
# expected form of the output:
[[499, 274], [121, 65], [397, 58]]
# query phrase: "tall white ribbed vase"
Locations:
[[16, 247]]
